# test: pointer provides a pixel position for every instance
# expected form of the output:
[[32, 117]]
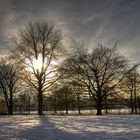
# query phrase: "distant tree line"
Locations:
[[41, 73]]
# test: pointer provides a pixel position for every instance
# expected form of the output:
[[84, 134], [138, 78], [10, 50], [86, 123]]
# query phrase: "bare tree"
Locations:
[[62, 96], [99, 71], [39, 45], [9, 81], [78, 91], [131, 86]]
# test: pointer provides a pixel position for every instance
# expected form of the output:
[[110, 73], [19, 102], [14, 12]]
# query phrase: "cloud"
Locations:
[[93, 21]]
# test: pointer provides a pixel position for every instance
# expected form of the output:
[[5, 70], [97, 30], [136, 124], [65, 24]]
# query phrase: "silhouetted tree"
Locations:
[[9, 81], [99, 71], [62, 98], [78, 91], [40, 41], [131, 86]]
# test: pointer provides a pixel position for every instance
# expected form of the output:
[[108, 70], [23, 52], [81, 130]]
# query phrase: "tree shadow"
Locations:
[[46, 130]]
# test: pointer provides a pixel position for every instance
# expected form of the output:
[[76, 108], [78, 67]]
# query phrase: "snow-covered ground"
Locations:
[[33, 127]]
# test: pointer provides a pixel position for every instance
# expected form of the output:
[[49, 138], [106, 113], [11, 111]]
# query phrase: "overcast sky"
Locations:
[[91, 21]]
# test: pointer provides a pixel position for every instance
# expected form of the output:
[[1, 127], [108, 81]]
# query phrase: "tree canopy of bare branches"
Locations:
[[40, 41], [9, 81], [99, 71]]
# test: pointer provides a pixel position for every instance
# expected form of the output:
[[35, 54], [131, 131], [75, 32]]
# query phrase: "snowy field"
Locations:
[[22, 127]]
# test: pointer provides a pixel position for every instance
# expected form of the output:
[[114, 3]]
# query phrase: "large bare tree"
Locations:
[[100, 71], [39, 46]]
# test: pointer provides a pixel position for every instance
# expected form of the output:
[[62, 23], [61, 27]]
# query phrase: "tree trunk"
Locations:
[[131, 102], [40, 103], [7, 103], [55, 104], [78, 103], [55, 110], [40, 97], [99, 109], [135, 100], [29, 108], [10, 110], [11, 105], [106, 108], [66, 102], [99, 105], [135, 93]]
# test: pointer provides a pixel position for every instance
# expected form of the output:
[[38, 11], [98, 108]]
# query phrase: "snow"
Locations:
[[70, 127]]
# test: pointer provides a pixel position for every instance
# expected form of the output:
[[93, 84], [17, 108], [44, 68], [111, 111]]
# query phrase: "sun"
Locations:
[[37, 63]]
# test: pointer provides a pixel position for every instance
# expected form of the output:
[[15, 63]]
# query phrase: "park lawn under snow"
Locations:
[[22, 127]]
